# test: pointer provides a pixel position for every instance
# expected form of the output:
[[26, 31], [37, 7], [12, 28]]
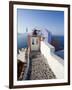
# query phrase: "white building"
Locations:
[[36, 43]]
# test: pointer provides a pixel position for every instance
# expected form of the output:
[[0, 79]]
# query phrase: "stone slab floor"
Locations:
[[40, 70]]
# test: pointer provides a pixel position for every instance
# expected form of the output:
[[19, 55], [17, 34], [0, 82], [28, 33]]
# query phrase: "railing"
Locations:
[[27, 68], [56, 63]]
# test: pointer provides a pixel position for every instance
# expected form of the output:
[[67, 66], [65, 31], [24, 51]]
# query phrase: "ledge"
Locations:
[[55, 62]]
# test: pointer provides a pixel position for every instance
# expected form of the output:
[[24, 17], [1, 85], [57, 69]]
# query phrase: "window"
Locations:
[[32, 41]]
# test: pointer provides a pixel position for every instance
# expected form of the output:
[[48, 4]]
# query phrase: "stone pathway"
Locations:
[[39, 68]]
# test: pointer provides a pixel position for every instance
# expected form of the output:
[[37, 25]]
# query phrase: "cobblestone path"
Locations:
[[39, 68]]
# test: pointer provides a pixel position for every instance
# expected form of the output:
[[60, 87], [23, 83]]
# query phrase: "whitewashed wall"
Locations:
[[55, 62], [34, 46]]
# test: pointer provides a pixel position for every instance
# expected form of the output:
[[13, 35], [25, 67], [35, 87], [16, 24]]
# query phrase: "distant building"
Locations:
[[36, 36], [46, 34], [34, 41]]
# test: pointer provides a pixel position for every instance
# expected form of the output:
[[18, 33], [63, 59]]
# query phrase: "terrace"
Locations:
[[43, 64]]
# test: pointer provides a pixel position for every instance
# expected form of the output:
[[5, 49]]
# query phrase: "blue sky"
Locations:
[[51, 20]]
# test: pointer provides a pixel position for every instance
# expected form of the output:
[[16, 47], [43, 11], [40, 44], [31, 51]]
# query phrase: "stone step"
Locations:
[[40, 69]]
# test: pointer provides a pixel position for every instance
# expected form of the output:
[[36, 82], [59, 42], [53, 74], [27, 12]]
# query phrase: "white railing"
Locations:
[[56, 63], [27, 68]]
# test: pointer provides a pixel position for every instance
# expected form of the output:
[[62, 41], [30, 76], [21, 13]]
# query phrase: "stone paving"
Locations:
[[39, 68]]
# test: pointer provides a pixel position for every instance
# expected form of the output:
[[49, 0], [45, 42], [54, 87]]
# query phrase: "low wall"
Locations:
[[27, 68], [55, 62]]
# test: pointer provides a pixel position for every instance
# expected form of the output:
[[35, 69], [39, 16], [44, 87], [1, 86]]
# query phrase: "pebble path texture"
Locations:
[[39, 67]]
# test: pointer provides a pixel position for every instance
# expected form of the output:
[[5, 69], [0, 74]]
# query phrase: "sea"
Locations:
[[60, 53], [59, 40], [22, 41]]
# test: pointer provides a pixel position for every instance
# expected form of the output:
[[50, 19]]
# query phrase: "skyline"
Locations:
[[51, 20]]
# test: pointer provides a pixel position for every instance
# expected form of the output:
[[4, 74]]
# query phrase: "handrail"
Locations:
[[27, 68]]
